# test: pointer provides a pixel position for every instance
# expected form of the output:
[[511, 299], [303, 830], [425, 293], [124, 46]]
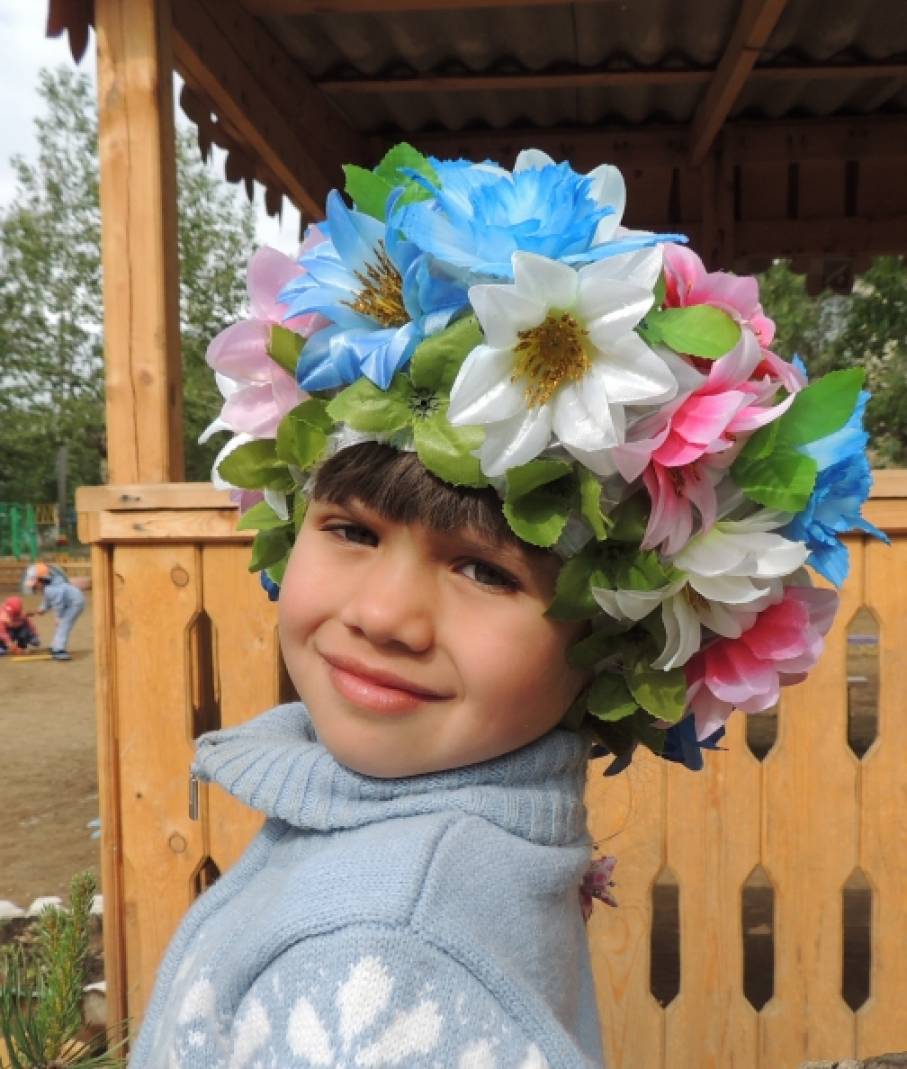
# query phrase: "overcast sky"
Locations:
[[25, 50]]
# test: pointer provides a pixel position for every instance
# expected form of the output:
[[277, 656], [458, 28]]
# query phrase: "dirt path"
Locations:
[[48, 777]]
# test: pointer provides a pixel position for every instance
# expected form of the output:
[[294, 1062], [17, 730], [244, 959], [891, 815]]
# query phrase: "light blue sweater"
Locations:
[[429, 921]]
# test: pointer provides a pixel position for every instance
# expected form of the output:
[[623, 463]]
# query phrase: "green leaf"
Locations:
[[823, 407], [260, 517], [299, 442], [366, 407], [590, 503], [662, 694], [447, 450], [367, 190], [404, 156], [643, 571], [650, 327], [314, 412], [699, 330], [271, 546], [660, 287], [284, 347], [610, 699], [629, 519], [572, 594], [540, 516], [276, 571], [437, 359], [256, 466], [525, 478], [300, 507], [600, 644], [782, 480], [762, 443]]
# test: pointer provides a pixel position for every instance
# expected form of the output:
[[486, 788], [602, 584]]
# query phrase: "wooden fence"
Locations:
[[742, 889]]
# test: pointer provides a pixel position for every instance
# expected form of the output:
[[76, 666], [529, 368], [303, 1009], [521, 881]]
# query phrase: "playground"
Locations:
[[48, 793]]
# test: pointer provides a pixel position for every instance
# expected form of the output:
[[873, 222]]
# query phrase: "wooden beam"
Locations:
[[386, 7], [139, 242], [297, 133], [635, 148], [816, 237], [597, 79], [755, 24]]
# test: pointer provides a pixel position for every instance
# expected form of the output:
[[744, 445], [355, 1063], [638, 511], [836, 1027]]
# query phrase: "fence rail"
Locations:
[[749, 893]]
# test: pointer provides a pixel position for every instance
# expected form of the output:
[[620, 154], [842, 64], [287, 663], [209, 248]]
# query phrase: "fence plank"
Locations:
[[712, 846], [882, 1021], [157, 593], [626, 819], [245, 625], [810, 848]]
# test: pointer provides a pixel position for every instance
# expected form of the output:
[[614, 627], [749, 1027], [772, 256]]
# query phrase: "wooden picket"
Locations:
[[187, 641]]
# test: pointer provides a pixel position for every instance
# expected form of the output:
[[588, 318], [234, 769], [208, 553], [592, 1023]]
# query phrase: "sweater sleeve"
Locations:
[[365, 997]]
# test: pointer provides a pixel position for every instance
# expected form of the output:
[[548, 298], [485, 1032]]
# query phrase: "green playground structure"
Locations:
[[18, 531]]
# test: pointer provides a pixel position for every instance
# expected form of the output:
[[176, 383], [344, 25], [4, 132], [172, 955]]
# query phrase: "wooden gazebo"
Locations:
[[763, 128]]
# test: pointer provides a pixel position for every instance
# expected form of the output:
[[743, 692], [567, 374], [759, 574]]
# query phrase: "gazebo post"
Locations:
[[142, 359], [139, 241]]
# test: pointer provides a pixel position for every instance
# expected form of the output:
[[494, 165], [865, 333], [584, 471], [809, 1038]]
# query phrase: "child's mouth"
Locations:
[[378, 692]]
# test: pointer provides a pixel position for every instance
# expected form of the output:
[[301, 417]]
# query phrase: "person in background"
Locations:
[[16, 629], [66, 600]]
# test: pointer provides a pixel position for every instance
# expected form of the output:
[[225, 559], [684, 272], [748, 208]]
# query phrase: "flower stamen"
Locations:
[[548, 355], [381, 296]]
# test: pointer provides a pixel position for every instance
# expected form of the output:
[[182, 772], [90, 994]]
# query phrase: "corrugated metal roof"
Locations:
[[604, 35]]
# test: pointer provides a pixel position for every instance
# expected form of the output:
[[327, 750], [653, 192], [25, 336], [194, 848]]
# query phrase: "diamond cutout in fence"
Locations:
[[856, 964], [762, 732], [862, 681], [757, 902], [205, 876], [204, 682], [664, 947]]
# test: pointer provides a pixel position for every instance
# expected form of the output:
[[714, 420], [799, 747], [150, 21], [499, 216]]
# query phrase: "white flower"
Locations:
[[560, 357], [728, 575]]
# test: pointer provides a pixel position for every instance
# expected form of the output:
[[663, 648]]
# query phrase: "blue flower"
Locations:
[[482, 214], [380, 293], [842, 485], [268, 585]]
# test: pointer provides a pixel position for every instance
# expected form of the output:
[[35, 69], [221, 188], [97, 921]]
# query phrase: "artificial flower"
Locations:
[[842, 485], [257, 392], [688, 283], [684, 449], [560, 358], [379, 294], [481, 214], [724, 579], [747, 672]]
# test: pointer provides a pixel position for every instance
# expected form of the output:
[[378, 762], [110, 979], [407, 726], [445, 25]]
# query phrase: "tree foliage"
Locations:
[[51, 315], [866, 329]]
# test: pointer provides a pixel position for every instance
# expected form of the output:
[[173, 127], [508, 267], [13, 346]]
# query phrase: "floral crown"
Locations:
[[624, 403]]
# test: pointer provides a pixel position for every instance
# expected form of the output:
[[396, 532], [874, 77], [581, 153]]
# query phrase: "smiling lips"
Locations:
[[376, 690]]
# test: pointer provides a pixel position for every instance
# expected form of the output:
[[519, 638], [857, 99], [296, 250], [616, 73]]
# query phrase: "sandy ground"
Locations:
[[49, 786]]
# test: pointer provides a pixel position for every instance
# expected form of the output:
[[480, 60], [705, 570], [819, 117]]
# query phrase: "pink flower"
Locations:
[[257, 392], [747, 672], [597, 884], [683, 450], [688, 283]]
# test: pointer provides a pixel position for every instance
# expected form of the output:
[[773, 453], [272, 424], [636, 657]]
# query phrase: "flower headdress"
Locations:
[[623, 402]]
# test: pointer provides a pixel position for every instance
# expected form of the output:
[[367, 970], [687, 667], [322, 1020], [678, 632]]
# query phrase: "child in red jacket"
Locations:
[[15, 627]]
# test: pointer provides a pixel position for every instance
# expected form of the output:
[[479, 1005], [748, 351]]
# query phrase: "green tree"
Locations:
[[867, 328], [51, 316]]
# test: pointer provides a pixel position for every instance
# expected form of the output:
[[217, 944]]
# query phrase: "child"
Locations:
[[16, 628], [66, 601], [414, 896]]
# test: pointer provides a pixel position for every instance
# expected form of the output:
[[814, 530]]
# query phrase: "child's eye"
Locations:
[[487, 575], [353, 532]]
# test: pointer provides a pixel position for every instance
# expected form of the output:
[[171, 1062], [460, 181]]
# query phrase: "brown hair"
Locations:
[[398, 486]]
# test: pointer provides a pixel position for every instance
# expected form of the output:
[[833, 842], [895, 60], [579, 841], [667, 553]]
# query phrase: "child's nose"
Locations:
[[394, 605]]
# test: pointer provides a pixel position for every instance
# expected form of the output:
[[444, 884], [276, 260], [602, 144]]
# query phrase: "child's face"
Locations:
[[417, 650]]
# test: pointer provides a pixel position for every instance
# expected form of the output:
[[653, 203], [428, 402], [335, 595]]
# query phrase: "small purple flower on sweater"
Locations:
[[597, 884]]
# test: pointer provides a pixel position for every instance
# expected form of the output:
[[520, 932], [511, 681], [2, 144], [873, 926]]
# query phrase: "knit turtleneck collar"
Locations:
[[275, 764]]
